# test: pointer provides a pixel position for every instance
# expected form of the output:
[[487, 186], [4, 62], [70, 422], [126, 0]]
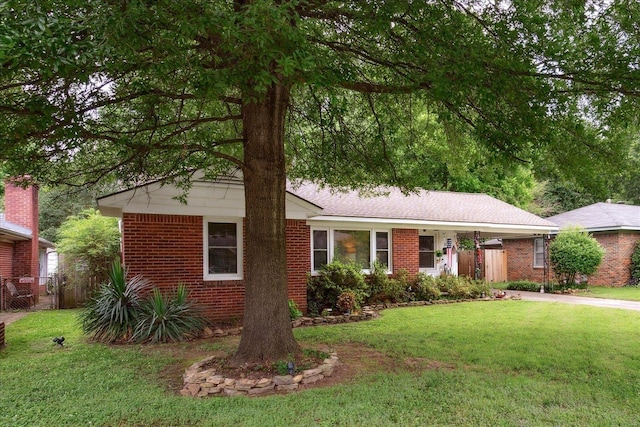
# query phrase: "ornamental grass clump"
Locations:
[[163, 319], [111, 314], [126, 310]]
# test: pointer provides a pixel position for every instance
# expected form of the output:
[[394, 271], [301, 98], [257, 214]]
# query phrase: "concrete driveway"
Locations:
[[572, 299]]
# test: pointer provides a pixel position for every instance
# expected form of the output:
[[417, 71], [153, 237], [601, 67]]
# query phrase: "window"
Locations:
[[320, 249], [382, 247], [223, 251], [361, 246], [426, 251], [538, 253], [352, 245]]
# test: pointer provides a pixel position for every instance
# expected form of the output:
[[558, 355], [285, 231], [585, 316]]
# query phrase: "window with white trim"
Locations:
[[223, 250], [320, 249], [345, 245], [426, 252], [538, 253]]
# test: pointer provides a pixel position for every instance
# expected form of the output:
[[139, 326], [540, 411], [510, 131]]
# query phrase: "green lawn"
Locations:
[[629, 293], [482, 363]]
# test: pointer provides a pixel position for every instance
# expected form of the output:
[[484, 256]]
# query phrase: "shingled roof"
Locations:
[[441, 206], [601, 217]]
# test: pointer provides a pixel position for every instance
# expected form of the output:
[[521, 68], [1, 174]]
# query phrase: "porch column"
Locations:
[[545, 256], [477, 256]]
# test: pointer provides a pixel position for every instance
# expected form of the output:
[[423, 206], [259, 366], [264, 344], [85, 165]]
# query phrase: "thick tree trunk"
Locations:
[[267, 333]]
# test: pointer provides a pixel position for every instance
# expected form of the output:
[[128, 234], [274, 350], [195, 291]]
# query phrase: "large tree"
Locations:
[[158, 89]]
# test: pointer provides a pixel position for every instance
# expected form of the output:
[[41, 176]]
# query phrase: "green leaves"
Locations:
[[166, 319], [111, 314], [91, 239], [574, 252]]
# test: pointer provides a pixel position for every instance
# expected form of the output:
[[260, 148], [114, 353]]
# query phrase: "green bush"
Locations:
[[111, 314], [294, 311], [572, 253], [635, 266], [425, 288], [462, 287], [335, 278], [387, 289], [162, 319], [524, 285]]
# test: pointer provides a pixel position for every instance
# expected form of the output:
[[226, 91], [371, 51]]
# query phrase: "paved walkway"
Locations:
[[572, 299], [11, 316]]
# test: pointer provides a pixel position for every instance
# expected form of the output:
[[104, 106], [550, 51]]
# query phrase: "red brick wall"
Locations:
[[520, 261], [168, 249], [21, 208], [22, 259], [405, 250], [298, 261], [614, 270]]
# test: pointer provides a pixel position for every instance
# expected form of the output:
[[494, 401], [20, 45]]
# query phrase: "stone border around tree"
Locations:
[[201, 382]]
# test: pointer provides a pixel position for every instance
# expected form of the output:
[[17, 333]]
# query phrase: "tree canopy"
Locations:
[[347, 93]]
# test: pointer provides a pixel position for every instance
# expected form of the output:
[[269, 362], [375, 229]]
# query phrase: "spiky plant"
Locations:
[[164, 319], [111, 314]]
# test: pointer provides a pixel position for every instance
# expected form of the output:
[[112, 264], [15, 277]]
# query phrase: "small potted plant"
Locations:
[[346, 302], [439, 254]]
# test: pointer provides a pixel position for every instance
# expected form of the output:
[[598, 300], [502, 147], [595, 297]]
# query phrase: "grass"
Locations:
[[483, 363], [628, 293]]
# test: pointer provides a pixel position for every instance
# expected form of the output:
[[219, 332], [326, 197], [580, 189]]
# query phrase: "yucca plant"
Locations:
[[111, 314], [164, 319]]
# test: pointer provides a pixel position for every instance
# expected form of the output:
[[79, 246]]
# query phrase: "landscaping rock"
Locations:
[[261, 390], [283, 380]]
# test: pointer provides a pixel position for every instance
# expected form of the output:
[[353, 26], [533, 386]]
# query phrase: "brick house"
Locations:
[[200, 243], [22, 252], [615, 226]]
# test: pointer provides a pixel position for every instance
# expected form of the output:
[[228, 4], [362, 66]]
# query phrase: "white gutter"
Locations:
[[436, 225]]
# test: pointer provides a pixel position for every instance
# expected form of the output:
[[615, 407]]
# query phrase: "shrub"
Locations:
[[574, 252], [386, 289], [346, 301], [334, 278], [425, 288], [524, 285], [294, 312], [163, 319], [635, 265], [111, 314], [462, 287]]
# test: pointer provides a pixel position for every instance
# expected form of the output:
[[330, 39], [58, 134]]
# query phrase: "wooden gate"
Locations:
[[494, 263]]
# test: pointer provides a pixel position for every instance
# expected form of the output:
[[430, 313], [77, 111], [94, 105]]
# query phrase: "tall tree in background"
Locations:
[[158, 89]]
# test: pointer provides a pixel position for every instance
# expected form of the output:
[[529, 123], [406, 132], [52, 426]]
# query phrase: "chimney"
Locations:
[[21, 208]]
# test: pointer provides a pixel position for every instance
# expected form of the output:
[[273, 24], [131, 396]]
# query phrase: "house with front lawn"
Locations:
[[23, 254], [200, 243], [615, 226]]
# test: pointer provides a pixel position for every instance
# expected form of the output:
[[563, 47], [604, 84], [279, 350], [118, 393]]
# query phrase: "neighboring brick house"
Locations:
[[615, 226], [200, 243], [22, 252]]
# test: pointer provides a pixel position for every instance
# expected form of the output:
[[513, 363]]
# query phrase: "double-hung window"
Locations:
[[538, 253], [223, 250], [426, 252], [345, 245]]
